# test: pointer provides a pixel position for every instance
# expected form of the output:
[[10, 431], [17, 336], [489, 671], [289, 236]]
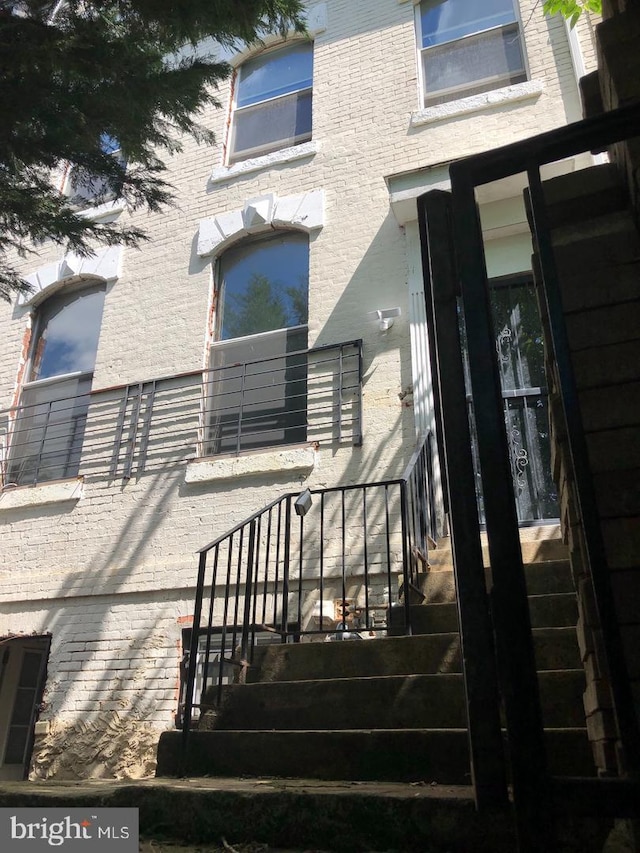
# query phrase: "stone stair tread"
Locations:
[[405, 755]]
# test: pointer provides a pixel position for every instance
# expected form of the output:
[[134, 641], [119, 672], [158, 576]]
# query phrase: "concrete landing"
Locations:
[[302, 814]]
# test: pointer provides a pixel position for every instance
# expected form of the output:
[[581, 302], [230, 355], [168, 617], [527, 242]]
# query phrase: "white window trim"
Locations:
[[254, 164], [93, 211], [53, 380], [40, 494], [315, 17], [108, 208], [275, 460], [528, 90]]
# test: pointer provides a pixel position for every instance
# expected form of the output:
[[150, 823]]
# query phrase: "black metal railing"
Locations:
[[509, 606], [62, 428], [328, 563]]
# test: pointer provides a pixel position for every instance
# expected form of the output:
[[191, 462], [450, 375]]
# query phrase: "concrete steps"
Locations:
[[398, 755], [383, 702], [546, 611], [387, 709], [555, 648]]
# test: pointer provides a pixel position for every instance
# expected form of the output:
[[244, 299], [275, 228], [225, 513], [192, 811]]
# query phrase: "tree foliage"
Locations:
[[571, 9], [76, 75]]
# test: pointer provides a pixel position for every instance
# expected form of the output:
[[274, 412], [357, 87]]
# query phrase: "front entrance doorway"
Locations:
[[23, 667], [520, 354]]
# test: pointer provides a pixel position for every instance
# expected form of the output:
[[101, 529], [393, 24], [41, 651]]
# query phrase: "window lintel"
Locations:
[[304, 212], [103, 266]]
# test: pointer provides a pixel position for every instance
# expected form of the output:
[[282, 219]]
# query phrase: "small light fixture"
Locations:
[[303, 503], [385, 317]]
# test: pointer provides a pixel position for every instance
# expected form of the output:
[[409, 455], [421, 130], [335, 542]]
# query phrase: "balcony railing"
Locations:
[[62, 429]]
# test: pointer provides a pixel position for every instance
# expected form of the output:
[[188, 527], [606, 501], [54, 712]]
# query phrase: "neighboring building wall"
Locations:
[[108, 567], [600, 295]]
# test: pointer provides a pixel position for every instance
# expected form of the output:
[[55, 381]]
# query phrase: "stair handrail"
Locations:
[[528, 156], [418, 525]]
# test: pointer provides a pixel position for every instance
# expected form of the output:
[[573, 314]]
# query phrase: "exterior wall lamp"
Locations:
[[303, 503], [385, 317]]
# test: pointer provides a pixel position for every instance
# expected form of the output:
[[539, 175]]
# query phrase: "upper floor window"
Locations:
[[257, 388], [84, 188], [272, 106], [49, 430], [468, 47]]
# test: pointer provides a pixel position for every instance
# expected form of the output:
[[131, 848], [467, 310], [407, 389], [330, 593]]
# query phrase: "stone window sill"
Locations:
[[477, 103], [255, 164], [57, 491], [293, 460], [109, 208]]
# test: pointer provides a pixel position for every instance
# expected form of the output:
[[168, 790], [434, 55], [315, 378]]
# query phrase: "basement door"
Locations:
[[520, 354], [23, 665]]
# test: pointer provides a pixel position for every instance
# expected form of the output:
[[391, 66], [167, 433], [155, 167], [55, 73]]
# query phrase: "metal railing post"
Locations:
[[406, 556], [285, 568], [476, 632], [248, 586], [510, 606], [193, 654]]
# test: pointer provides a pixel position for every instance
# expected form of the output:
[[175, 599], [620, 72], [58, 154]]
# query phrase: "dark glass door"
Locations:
[[520, 355]]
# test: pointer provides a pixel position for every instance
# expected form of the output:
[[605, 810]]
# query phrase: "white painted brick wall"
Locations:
[[110, 576]]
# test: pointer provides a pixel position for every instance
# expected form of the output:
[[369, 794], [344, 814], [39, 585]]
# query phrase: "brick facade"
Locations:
[[111, 576]]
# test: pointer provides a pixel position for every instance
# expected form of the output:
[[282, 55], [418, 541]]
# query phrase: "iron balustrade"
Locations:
[[62, 428], [509, 610], [336, 572]]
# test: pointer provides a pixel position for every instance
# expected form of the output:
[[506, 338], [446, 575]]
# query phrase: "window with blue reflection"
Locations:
[[48, 436], [67, 332], [448, 20], [468, 47], [257, 381], [109, 144], [265, 286], [273, 101]]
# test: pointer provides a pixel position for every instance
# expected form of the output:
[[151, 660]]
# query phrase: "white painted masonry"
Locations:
[[109, 571]]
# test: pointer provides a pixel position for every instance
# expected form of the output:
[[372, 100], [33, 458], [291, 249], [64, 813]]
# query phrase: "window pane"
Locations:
[[274, 124], [448, 20], [109, 144], [30, 672], [264, 286], [518, 331], [48, 436], [277, 73], [258, 392], [474, 64], [67, 334], [16, 744]]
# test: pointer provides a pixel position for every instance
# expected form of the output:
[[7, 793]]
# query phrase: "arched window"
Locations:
[[272, 104], [258, 364], [49, 431]]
